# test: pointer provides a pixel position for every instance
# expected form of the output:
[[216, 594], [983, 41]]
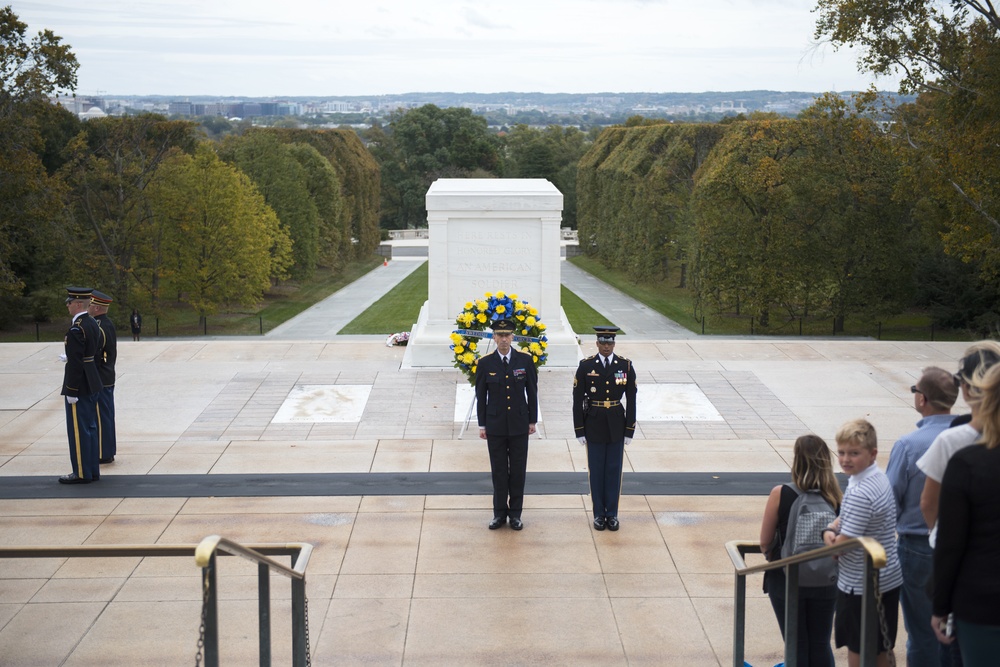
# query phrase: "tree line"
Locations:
[[151, 210]]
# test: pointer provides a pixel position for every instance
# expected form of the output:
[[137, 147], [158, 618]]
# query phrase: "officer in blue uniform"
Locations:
[[507, 410], [106, 358], [81, 384], [603, 423]]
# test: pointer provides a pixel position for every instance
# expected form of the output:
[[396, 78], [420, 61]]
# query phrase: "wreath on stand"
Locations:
[[474, 323]]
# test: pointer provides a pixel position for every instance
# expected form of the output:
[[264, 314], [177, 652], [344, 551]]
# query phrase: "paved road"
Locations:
[[323, 320], [328, 317]]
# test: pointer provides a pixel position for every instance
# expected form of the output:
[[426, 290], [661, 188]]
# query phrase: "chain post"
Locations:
[[200, 654]]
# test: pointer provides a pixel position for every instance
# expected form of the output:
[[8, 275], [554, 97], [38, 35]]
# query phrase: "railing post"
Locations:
[[211, 601], [739, 620], [299, 622], [264, 613], [792, 615], [869, 616]]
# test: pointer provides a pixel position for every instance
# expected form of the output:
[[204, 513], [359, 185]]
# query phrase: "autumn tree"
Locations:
[[30, 200], [284, 183], [217, 242], [111, 164]]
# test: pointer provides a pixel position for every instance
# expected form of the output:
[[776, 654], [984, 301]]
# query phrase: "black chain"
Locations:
[[883, 624], [308, 655], [204, 614]]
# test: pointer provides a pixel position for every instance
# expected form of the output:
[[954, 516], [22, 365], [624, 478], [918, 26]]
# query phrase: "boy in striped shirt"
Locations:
[[869, 509]]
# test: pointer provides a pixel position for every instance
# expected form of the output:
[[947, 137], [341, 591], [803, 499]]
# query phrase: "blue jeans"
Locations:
[[916, 558]]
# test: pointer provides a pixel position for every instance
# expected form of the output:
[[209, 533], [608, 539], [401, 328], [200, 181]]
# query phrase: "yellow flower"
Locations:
[[473, 346], [499, 295], [481, 318], [468, 305], [525, 333], [541, 327], [535, 348], [501, 309], [520, 318], [512, 296], [482, 305], [544, 344], [468, 358], [474, 370], [534, 358], [488, 295], [530, 321], [456, 339], [459, 350], [533, 311]]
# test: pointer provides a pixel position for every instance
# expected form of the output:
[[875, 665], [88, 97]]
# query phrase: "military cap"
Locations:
[[78, 293], [606, 334], [502, 326], [100, 299]]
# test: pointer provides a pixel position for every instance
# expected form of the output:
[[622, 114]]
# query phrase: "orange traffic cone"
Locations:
[[385, 261]]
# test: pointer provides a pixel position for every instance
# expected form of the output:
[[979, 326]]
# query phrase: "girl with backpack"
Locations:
[[812, 471]]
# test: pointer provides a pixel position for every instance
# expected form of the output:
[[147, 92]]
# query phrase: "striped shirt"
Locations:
[[869, 509]]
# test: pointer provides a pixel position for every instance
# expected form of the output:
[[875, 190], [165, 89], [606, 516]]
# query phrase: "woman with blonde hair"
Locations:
[[812, 470], [966, 579]]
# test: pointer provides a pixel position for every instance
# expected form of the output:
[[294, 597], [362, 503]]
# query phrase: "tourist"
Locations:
[[966, 579], [933, 396], [868, 510], [507, 410], [604, 423], [812, 469]]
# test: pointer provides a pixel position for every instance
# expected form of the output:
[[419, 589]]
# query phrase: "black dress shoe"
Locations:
[[497, 522], [73, 478], [110, 459], [515, 523], [613, 523], [599, 523]]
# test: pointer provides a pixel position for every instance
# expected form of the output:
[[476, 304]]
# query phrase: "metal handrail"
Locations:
[[205, 554], [875, 560]]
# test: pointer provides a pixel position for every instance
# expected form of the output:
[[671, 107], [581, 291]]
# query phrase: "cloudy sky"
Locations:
[[369, 47]]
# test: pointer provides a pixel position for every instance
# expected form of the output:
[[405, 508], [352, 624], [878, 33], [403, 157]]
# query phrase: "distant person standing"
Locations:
[[106, 358], [81, 384], [507, 410], [603, 423], [135, 321]]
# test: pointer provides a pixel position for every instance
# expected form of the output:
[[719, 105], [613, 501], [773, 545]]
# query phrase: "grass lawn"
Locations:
[[676, 303], [396, 311], [582, 318]]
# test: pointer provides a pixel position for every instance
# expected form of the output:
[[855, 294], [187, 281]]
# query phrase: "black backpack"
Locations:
[[808, 516]]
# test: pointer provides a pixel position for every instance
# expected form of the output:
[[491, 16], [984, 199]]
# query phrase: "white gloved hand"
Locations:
[[627, 440], [72, 400], [62, 357], [582, 440]]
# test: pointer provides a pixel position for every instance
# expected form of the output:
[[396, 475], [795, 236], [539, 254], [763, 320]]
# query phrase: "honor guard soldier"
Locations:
[[106, 358], [507, 410], [81, 384], [604, 422]]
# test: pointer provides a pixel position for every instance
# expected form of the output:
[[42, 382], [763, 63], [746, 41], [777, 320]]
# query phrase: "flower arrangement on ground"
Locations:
[[478, 315]]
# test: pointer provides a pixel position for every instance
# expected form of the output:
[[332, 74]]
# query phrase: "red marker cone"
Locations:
[[385, 261]]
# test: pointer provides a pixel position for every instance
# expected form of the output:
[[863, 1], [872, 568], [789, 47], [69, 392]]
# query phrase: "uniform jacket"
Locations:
[[108, 355], [594, 384], [83, 341], [505, 405]]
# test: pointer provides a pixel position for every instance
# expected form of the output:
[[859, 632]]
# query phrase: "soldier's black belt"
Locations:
[[605, 404]]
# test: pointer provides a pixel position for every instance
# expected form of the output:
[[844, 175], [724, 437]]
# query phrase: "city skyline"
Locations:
[[307, 47]]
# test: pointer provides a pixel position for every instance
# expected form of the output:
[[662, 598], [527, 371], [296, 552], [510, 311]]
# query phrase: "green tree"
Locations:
[[30, 206], [324, 190], [284, 183], [112, 162], [218, 242]]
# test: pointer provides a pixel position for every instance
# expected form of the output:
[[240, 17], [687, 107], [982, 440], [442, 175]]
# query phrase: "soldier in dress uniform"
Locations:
[[106, 358], [507, 410], [81, 384], [603, 423]]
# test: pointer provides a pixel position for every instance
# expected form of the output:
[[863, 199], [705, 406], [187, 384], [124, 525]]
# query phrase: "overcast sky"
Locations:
[[370, 47]]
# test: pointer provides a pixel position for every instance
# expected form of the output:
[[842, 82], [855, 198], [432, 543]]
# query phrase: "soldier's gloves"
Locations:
[[627, 440], [62, 358], [72, 399], [582, 440]]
